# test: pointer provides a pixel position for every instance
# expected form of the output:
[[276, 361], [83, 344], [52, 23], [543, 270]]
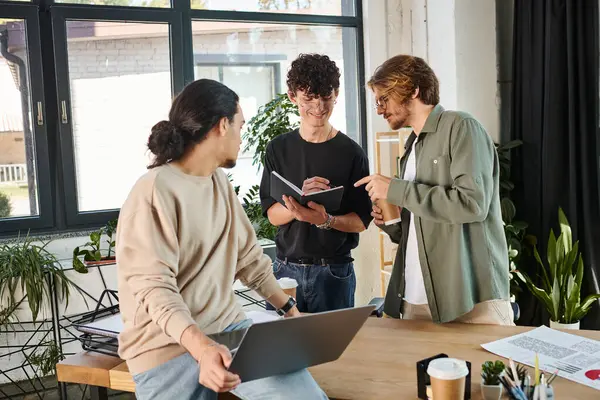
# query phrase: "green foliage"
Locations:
[[5, 206], [515, 231], [93, 252], [271, 120], [261, 224], [26, 266], [235, 188], [491, 371], [560, 290], [47, 359]]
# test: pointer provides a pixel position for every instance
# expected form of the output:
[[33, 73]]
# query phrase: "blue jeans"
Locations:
[[178, 379], [320, 287]]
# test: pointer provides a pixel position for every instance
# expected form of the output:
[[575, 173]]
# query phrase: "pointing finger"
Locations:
[[364, 180]]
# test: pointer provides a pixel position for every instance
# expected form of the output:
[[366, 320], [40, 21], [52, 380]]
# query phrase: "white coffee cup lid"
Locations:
[[287, 283], [447, 368]]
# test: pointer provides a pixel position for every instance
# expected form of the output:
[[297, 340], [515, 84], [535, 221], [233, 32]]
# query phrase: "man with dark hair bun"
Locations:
[[183, 238], [313, 247]]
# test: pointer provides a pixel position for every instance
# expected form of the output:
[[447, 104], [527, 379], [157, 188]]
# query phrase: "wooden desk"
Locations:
[[380, 362]]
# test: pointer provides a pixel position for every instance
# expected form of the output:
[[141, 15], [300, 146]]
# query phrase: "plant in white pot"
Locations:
[[560, 288], [491, 387]]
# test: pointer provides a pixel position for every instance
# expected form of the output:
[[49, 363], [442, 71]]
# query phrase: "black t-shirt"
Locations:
[[340, 160]]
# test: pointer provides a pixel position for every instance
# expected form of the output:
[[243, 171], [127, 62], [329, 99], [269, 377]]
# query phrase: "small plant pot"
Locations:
[[103, 261], [558, 325], [491, 392]]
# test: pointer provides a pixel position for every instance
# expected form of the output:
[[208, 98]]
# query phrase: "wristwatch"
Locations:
[[287, 306], [328, 223]]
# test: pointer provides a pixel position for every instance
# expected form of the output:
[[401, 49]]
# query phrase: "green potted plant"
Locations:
[[560, 288], [92, 251], [24, 271], [491, 387]]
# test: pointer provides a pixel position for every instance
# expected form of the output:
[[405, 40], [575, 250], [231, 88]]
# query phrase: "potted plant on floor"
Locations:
[[560, 288], [491, 387], [92, 250]]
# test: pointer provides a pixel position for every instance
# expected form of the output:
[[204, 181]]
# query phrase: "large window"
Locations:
[[82, 83]]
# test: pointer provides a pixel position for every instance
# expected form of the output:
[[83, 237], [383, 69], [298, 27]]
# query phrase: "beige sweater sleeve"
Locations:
[[149, 261], [254, 268]]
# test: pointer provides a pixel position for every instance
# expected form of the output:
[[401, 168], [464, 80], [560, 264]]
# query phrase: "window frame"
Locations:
[[60, 15], [48, 58], [45, 217]]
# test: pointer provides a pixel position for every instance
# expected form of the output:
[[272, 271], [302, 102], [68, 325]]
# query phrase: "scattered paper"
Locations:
[[576, 358], [258, 317]]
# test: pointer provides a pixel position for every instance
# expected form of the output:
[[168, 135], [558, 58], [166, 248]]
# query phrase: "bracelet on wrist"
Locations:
[[328, 223]]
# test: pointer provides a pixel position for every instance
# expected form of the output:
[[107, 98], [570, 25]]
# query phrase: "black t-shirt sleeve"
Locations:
[[266, 201], [360, 202]]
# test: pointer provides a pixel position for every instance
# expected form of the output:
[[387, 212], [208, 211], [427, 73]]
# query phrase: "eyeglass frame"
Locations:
[[379, 104], [322, 103]]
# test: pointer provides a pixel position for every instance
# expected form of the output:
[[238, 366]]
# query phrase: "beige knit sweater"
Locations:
[[182, 241]]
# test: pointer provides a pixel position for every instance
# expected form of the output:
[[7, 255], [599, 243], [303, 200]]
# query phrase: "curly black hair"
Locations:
[[315, 74]]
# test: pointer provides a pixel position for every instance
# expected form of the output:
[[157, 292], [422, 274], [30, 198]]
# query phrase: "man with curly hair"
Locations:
[[314, 247]]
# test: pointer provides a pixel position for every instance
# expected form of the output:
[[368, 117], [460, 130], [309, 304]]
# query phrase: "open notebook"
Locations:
[[113, 325], [330, 199]]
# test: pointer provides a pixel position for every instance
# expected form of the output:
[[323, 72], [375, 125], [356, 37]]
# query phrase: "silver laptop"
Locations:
[[289, 345]]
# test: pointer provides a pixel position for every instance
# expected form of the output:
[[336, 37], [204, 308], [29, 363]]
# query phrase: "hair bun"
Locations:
[[166, 142]]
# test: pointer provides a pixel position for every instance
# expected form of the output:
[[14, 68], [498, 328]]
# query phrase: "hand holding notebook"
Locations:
[[328, 198]]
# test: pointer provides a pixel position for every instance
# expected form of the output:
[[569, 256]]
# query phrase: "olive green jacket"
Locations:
[[455, 204]]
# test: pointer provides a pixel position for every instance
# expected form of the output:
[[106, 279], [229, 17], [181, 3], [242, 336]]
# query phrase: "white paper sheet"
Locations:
[[110, 326], [576, 358], [258, 317]]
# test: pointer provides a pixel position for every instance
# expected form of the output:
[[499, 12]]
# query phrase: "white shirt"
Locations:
[[413, 275]]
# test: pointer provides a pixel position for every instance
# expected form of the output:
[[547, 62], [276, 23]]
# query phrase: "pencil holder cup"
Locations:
[[530, 389]]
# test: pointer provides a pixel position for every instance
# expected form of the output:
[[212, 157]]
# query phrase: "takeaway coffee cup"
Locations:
[[288, 285], [390, 212], [448, 377]]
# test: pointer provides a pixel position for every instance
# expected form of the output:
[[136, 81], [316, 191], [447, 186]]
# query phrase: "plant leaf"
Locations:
[[552, 254], [79, 266], [556, 296], [565, 229]]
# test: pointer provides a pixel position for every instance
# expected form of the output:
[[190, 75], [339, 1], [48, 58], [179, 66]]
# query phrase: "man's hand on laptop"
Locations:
[[213, 360], [292, 313], [214, 375]]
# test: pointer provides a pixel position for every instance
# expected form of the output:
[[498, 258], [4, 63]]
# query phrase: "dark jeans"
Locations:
[[320, 287]]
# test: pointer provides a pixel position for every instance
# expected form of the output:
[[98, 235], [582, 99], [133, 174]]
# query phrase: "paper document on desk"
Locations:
[[258, 317], [576, 358]]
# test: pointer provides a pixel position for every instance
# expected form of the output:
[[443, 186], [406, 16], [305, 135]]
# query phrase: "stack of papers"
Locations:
[[576, 358], [113, 325]]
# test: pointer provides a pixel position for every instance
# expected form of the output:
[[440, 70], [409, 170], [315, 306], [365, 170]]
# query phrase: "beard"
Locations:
[[230, 163], [398, 118]]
